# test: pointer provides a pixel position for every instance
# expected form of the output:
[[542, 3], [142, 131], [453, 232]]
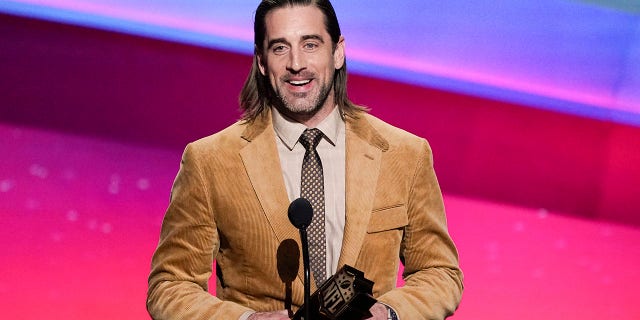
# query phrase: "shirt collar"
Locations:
[[289, 131]]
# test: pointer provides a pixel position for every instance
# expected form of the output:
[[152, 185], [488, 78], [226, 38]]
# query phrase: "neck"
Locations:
[[310, 120]]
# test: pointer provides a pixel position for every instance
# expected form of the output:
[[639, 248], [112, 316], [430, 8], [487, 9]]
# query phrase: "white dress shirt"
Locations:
[[331, 150]]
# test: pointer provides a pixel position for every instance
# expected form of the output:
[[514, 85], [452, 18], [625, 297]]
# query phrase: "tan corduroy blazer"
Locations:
[[229, 204]]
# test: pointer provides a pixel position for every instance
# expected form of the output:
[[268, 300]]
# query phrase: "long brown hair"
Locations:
[[256, 94]]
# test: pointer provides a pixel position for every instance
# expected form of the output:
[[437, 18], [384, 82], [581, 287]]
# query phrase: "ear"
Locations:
[[338, 54], [260, 61]]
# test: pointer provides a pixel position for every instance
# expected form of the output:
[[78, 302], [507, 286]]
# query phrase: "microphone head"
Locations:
[[300, 213]]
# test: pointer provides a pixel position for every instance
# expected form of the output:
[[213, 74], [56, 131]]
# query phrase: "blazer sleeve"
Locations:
[[433, 279], [182, 263]]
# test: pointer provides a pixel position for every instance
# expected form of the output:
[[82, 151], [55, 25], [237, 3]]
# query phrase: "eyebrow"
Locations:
[[303, 38], [314, 37]]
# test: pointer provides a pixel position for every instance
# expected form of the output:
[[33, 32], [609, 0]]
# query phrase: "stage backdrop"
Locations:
[[531, 108]]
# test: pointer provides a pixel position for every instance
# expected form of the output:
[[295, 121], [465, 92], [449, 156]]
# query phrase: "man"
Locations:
[[229, 201]]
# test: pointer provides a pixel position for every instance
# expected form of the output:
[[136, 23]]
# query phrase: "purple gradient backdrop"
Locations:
[[542, 205], [570, 56]]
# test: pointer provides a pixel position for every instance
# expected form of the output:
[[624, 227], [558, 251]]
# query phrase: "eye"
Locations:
[[279, 49], [310, 46]]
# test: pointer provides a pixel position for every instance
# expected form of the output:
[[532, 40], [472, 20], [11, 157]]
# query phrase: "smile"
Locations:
[[299, 82]]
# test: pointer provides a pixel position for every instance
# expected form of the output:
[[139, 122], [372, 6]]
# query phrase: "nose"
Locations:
[[296, 61]]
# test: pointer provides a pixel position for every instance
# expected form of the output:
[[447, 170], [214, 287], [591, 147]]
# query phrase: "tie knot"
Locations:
[[310, 138]]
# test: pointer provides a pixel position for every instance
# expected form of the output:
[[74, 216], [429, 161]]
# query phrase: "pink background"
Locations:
[[542, 205]]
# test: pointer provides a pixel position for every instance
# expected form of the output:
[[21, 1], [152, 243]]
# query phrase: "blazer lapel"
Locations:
[[261, 160], [364, 147]]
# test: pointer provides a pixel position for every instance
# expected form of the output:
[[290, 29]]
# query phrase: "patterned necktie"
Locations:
[[312, 189]]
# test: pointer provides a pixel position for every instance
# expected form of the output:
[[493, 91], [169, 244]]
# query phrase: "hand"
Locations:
[[273, 315], [378, 312]]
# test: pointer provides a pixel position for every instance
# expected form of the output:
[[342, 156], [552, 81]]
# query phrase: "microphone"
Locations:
[[300, 214]]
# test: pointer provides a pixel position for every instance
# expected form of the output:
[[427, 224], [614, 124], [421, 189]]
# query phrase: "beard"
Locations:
[[302, 103]]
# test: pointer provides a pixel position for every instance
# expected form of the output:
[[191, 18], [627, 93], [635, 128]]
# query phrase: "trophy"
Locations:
[[347, 295]]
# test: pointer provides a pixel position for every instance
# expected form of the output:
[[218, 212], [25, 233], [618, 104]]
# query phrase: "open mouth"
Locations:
[[298, 83]]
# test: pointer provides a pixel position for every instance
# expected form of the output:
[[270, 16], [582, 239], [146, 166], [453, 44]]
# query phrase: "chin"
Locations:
[[302, 108]]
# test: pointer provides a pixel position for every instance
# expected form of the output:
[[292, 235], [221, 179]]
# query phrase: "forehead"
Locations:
[[294, 22]]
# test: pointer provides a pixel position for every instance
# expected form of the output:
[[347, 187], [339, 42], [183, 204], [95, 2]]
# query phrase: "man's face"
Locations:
[[299, 59]]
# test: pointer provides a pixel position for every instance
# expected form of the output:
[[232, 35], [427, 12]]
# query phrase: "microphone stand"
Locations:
[[307, 273], [300, 214]]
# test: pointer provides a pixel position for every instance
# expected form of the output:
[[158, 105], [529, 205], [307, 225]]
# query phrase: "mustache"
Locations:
[[297, 76]]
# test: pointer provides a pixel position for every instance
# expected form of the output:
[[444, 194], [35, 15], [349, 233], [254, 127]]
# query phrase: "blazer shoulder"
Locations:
[[225, 140], [395, 136]]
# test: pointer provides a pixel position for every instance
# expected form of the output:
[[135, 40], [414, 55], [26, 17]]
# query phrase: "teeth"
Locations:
[[299, 83]]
